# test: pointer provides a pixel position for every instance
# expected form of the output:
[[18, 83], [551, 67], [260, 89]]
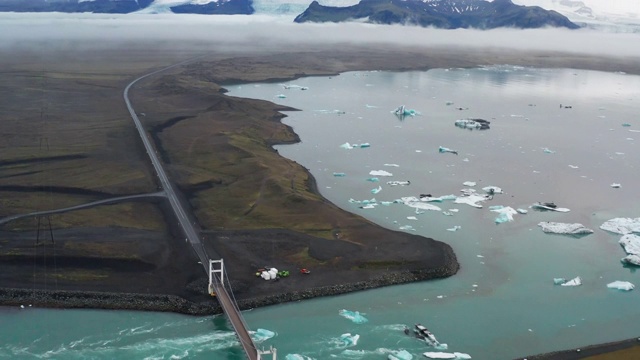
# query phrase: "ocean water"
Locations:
[[559, 135]]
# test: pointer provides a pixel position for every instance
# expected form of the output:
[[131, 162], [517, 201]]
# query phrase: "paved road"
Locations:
[[82, 206], [223, 296]]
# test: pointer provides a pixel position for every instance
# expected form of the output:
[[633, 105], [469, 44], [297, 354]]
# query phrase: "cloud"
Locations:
[[251, 31]]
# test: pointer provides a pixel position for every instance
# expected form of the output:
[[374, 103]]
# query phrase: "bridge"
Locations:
[[214, 268]]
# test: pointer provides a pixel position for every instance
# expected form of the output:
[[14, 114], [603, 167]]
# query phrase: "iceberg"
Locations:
[[559, 281], [415, 203], [403, 111], [469, 183], [442, 149], [477, 124], [400, 355], [444, 355], [262, 335], [346, 146], [396, 183], [631, 260], [505, 213], [621, 285], [577, 281], [282, 96], [354, 316], [521, 211], [564, 228], [492, 190], [373, 179], [380, 173], [472, 200], [339, 174], [630, 243], [455, 228], [622, 226], [615, 185], [347, 340], [549, 206], [365, 145], [296, 357], [376, 190]]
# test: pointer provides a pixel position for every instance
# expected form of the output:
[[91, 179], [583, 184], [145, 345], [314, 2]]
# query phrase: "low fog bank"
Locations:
[[253, 32]]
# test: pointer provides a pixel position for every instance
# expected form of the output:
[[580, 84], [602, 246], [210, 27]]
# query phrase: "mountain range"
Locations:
[[128, 6], [609, 15], [447, 14]]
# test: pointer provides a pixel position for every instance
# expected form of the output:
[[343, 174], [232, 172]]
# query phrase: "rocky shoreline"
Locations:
[[172, 303]]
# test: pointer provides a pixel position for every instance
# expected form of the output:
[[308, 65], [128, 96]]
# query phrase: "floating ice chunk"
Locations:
[[447, 213], [380, 173], [492, 190], [621, 285], [469, 183], [386, 203], [472, 200], [296, 357], [626, 124], [573, 166], [354, 316], [370, 201], [262, 335], [365, 145], [376, 190], [412, 218], [577, 281], [522, 211], [505, 213], [396, 183], [548, 151], [549, 206], [615, 185], [393, 165], [442, 149], [415, 203], [478, 124], [454, 210], [400, 355], [564, 228], [407, 227], [444, 355], [346, 146], [403, 111], [282, 96], [373, 179], [631, 260], [427, 198], [347, 340], [630, 243], [559, 281], [339, 174], [455, 228], [622, 226]]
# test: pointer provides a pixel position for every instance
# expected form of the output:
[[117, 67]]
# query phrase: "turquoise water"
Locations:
[[502, 304]]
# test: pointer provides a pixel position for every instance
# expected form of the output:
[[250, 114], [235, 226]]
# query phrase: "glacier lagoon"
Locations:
[[555, 135]]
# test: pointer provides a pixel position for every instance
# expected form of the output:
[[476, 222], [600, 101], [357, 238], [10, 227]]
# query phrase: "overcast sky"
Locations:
[[25, 28]]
